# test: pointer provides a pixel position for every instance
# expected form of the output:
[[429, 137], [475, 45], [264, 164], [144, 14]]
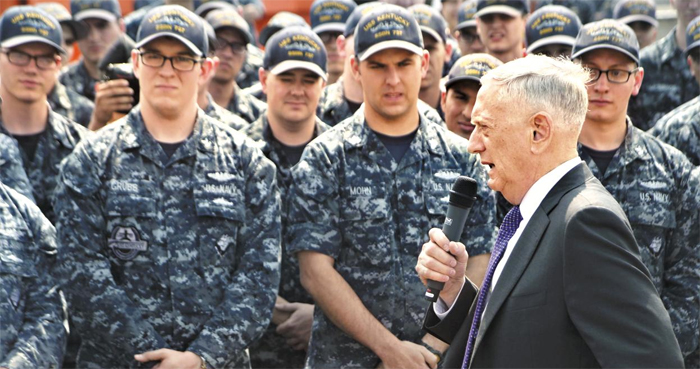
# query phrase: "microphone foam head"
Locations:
[[463, 193]]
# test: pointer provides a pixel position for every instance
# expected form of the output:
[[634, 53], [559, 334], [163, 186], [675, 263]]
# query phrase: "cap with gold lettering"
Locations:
[[387, 27], [108, 10], [295, 47], [692, 35], [355, 16], [229, 18], [280, 21], [20, 25], [606, 34], [330, 15], [628, 11], [471, 68], [550, 25], [177, 22], [430, 21], [466, 15]]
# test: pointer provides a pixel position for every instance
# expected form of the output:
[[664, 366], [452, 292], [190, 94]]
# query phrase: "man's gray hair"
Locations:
[[540, 83]]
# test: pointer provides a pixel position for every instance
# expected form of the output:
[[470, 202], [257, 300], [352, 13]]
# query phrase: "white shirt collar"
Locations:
[[534, 196]]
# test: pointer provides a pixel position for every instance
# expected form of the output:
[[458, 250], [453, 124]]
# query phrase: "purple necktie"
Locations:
[[505, 233]]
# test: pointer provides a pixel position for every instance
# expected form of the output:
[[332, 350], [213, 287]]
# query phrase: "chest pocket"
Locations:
[[221, 214], [131, 198], [366, 225], [651, 214], [15, 268], [436, 194]]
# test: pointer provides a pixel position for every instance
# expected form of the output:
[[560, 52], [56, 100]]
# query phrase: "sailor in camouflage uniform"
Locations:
[[43, 137], [668, 82], [248, 76], [32, 309], [433, 26], [647, 177], [204, 99], [232, 40], [103, 18], [328, 19], [170, 233], [681, 127], [282, 133], [62, 100], [342, 99], [362, 196], [70, 104]]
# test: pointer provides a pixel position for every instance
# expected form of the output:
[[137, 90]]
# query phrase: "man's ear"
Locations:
[[355, 66], [207, 69], [262, 77], [448, 50], [340, 44], [443, 99], [638, 77], [424, 63], [540, 125], [135, 62]]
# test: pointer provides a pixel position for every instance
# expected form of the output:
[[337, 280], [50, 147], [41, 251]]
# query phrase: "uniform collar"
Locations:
[[668, 47], [358, 132], [58, 126], [632, 148], [135, 136]]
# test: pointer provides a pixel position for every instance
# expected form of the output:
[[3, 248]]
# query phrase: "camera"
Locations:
[[124, 71]]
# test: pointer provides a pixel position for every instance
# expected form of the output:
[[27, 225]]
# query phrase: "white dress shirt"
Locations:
[[531, 201]]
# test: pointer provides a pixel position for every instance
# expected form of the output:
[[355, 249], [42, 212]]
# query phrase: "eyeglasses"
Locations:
[[327, 37], [237, 48], [181, 63], [468, 37], [614, 75], [19, 58]]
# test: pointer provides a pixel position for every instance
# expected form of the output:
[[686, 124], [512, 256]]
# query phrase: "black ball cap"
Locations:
[[606, 34]]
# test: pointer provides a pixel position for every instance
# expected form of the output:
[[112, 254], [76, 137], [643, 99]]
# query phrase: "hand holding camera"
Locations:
[[118, 93]]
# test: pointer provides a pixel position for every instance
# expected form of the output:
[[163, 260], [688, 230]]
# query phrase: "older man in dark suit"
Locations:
[[565, 286]]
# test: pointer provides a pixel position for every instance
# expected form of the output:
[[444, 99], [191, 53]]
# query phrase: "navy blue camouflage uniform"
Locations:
[[58, 140], [271, 351], [245, 106], [12, 172], [681, 129], [76, 77], [352, 201], [215, 111], [650, 180], [667, 83], [70, 104], [32, 309], [248, 75], [177, 252]]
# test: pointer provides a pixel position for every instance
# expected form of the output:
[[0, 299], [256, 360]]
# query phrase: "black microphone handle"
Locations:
[[453, 226]]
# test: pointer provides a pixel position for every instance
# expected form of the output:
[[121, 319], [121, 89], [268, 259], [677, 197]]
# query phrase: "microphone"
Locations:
[[462, 197]]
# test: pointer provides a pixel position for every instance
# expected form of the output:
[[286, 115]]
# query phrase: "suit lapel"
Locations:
[[527, 244]]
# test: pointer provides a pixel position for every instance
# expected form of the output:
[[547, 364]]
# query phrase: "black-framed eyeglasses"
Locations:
[[236, 47], [22, 59], [614, 75], [328, 37], [179, 62]]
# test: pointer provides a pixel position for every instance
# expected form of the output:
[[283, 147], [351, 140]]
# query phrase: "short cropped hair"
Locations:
[[541, 83]]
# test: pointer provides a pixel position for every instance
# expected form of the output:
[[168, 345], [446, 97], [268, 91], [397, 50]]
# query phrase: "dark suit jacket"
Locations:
[[573, 293]]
